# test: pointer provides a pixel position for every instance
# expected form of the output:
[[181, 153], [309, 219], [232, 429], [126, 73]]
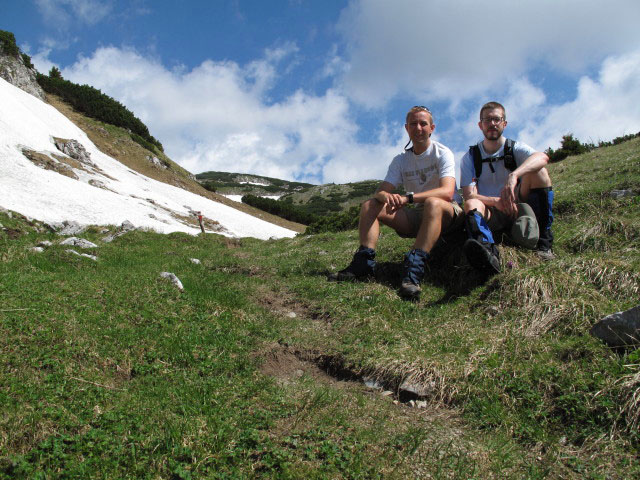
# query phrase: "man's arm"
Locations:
[[394, 201], [532, 164]]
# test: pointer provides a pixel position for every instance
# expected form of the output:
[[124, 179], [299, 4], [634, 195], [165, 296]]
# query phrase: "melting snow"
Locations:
[[26, 122]]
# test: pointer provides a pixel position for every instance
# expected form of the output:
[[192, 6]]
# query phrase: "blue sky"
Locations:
[[317, 90]]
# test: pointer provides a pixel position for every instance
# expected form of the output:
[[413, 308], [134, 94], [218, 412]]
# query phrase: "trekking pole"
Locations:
[[200, 221]]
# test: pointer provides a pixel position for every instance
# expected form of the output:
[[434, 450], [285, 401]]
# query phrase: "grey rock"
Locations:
[[127, 226], [14, 71], [78, 242], [86, 255], [37, 249], [66, 228], [419, 389], [173, 279], [620, 329], [75, 150], [621, 193], [195, 261], [45, 243], [292, 315]]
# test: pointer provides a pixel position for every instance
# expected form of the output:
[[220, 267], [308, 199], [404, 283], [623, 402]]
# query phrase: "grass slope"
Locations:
[[108, 371]]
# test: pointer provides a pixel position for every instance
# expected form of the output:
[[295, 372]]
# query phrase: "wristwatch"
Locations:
[[410, 197]]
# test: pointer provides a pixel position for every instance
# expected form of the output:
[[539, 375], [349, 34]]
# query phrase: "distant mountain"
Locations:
[[315, 199]]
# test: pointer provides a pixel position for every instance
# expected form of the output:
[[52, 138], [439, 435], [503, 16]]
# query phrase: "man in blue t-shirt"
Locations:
[[495, 185], [427, 173]]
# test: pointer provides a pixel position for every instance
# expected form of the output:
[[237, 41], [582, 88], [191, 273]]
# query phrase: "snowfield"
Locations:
[[118, 193]]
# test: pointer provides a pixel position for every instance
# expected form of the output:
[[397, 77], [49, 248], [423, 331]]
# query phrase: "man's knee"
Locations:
[[436, 209], [539, 179], [474, 204], [371, 207]]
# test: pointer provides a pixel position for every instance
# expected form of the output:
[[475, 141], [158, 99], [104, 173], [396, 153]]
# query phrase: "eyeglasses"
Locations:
[[490, 120]]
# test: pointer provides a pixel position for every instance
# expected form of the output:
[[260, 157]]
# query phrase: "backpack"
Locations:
[[509, 159]]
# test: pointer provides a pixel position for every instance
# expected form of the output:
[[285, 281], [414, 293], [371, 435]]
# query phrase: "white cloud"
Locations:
[[63, 12], [218, 116], [455, 50], [604, 108]]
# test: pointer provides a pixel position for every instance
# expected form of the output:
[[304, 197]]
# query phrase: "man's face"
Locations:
[[492, 123], [419, 128]]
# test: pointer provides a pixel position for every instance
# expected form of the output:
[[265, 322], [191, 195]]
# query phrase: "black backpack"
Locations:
[[509, 159]]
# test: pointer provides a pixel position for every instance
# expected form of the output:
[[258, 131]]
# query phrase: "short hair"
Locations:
[[419, 108], [491, 106]]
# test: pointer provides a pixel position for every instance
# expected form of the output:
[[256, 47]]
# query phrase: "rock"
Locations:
[[621, 193], [127, 226], [155, 161], [14, 71], [419, 389], [86, 255], [74, 149], [173, 279], [372, 383], [66, 228], [387, 393], [195, 261], [620, 329], [37, 249], [421, 404], [78, 242], [45, 243], [291, 315]]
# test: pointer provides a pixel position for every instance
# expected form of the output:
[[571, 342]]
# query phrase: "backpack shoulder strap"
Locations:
[[474, 151], [509, 159]]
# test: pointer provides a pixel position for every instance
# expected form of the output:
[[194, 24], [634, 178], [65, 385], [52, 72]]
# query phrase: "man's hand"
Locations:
[[393, 201], [508, 199]]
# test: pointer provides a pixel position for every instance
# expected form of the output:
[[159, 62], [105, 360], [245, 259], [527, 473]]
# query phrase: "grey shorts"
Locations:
[[414, 215]]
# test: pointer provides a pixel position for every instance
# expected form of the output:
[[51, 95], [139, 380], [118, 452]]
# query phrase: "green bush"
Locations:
[[8, 44], [282, 209], [336, 222], [96, 104]]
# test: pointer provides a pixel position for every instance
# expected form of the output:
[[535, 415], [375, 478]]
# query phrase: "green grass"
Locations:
[[107, 371]]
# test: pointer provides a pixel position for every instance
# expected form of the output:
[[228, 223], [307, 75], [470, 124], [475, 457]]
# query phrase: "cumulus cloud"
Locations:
[[454, 50], [63, 12], [605, 107], [218, 116]]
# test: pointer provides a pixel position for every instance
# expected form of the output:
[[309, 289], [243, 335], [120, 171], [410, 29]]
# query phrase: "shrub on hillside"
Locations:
[[8, 43], [96, 104], [336, 222], [285, 210]]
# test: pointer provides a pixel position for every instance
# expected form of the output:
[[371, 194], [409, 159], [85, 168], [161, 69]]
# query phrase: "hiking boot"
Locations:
[[482, 256], [414, 265], [362, 267]]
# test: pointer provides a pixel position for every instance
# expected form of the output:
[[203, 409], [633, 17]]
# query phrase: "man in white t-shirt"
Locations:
[[503, 183], [427, 173]]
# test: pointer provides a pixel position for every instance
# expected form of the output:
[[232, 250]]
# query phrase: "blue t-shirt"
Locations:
[[490, 183]]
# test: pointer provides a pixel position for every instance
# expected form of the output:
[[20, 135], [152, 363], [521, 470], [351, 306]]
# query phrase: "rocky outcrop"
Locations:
[[14, 71]]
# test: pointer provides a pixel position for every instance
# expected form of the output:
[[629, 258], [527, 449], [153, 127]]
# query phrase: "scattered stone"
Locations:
[[621, 193], [372, 383], [45, 243], [195, 260], [74, 149], [156, 162], [66, 228], [421, 404], [86, 255], [412, 403], [78, 242], [620, 329], [387, 393], [292, 315], [37, 249], [173, 279], [126, 226], [421, 390]]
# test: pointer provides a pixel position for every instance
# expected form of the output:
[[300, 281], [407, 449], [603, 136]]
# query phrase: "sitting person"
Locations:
[[427, 173], [497, 177]]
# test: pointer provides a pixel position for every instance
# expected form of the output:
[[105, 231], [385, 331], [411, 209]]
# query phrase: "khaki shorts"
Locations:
[[414, 215]]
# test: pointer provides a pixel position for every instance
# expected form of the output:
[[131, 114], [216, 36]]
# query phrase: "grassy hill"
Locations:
[[258, 368]]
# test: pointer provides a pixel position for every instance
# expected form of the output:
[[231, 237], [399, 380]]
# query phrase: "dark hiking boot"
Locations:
[[362, 267], [482, 256], [414, 265]]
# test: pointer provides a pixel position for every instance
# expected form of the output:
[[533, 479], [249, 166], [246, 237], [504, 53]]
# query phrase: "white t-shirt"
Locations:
[[419, 173], [490, 183]]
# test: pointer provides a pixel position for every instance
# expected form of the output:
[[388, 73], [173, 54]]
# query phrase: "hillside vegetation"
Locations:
[[258, 368]]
